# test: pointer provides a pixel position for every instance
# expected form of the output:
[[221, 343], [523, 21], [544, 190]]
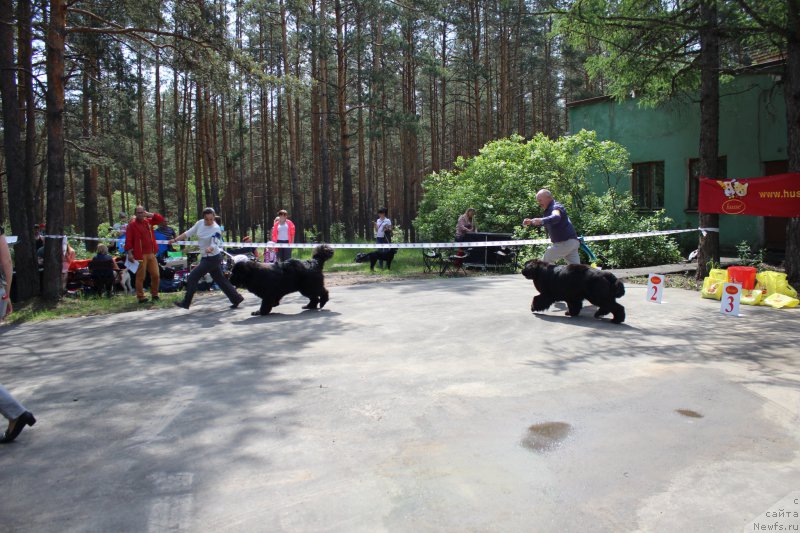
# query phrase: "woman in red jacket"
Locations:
[[283, 231]]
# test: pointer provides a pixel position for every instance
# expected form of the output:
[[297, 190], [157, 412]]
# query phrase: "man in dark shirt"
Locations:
[[559, 228]]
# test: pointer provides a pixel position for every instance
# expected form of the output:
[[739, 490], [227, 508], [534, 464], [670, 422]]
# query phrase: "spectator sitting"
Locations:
[[104, 269], [66, 260], [168, 233]]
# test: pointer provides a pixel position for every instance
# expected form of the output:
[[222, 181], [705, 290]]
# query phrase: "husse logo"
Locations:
[[733, 188], [733, 191]]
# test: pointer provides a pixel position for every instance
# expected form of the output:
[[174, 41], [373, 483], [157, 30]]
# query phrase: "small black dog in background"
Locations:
[[384, 254]]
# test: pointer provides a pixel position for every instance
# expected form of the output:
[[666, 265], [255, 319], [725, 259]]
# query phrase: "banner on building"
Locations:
[[769, 196]]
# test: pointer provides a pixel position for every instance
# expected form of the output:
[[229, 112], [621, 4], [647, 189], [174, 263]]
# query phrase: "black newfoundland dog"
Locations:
[[271, 282], [383, 254], [573, 284]]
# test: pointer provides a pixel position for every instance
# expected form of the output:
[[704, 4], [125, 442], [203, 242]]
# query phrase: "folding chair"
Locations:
[[453, 264], [431, 259]]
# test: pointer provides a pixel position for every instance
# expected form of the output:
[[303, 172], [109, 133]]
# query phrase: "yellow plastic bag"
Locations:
[[712, 288], [719, 274], [790, 291], [751, 297], [779, 301], [774, 283]]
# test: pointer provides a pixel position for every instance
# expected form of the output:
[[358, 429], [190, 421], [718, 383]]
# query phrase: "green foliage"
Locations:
[[615, 212], [650, 48], [312, 234], [502, 181], [747, 257], [337, 232]]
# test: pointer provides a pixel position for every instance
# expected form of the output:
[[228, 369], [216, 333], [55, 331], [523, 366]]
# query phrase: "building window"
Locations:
[[647, 185], [693, 187]]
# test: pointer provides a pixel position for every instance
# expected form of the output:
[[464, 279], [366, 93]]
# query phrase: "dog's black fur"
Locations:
[[572, 284], [382, 254], [273, 281]]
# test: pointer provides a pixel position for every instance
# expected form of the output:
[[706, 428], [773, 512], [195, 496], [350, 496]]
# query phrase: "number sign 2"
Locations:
[[655, 288]]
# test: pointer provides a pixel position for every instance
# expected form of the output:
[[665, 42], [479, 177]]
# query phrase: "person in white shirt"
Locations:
[[209, 236], [383, 230]]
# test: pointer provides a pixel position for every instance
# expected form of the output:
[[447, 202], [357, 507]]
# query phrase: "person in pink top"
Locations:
[[283, 231]]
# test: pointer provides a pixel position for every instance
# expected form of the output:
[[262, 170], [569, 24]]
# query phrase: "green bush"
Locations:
[[747, 257], [501, 183]]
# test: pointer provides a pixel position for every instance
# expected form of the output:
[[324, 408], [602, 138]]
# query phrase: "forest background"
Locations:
[[327, 108]]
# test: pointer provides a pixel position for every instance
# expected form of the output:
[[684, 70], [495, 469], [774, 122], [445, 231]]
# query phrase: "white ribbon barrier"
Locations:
[[402, 246]]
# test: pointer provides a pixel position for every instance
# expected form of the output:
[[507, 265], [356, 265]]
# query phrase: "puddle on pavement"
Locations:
[[689, 413], [545, 436]]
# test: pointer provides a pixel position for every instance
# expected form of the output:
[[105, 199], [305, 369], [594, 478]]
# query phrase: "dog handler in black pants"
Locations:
[[209, 237], [18, 417]]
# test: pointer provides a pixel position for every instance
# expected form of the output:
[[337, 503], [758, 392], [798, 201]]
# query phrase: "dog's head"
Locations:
[[362, 257], [532, 268], [240, 273]]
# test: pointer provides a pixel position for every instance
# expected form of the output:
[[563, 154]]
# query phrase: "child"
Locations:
[[270, 256]]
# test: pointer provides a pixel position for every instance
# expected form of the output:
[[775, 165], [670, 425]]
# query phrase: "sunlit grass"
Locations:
[[37, 310], [406, 262]]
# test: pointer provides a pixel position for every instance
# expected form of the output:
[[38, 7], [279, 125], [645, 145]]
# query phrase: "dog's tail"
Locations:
[[322, 253]]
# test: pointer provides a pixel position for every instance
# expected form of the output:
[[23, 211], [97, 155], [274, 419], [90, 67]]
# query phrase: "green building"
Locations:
[[663, 143]]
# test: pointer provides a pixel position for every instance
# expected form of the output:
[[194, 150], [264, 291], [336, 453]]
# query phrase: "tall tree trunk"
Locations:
[[56, 34], [228, 207], [199, 167], [109, 195], [344, 134], [89, 131], [374, 100], [298, 215], [213, 150], [316, 186], [278, 150], [361, 215], [21, 224], [505, 65], [488, 132], [475, 36], [27, 98], [408, 136], [324, 157], [791, 88], [443, 102], [179, 147], [144, 192], [162, 202], [708, 250]]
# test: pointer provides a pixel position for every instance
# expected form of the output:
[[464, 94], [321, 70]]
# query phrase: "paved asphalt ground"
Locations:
[[427, 405]]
